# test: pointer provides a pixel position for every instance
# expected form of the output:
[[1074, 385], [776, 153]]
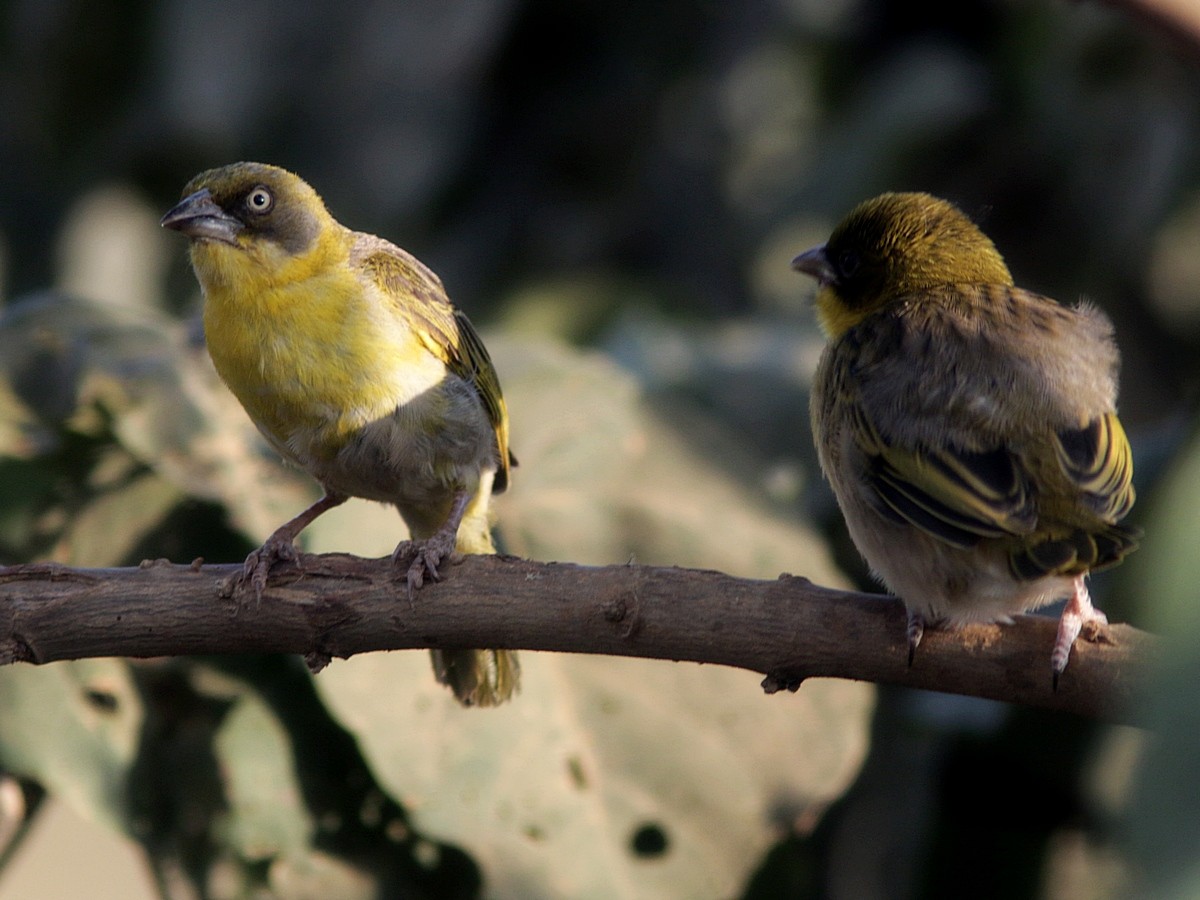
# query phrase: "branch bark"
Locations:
[[338, 605]]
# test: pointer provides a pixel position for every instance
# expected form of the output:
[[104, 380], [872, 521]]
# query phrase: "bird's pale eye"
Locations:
[[260, 200]]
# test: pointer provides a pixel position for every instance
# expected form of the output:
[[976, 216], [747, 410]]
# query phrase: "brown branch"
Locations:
[[337, 606]]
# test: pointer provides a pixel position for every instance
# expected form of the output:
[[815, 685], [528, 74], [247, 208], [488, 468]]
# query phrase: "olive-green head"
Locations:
[[891, 247], [246, 203]]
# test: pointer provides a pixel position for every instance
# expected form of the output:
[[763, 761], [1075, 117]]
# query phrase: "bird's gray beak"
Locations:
[[814, 262], [199, 217]]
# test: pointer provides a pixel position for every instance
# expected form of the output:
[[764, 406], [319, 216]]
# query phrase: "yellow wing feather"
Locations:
[[1099, 461], [445, 331], [957, 496], [963, 497]]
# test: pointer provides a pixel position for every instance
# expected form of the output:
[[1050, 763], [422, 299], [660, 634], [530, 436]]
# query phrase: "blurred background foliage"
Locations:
[[613, 192]]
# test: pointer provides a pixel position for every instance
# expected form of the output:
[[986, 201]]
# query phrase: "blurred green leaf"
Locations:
[[605, 777], [266, 817], [107, 528], [131, 421], [1163, 575], [74, 727]]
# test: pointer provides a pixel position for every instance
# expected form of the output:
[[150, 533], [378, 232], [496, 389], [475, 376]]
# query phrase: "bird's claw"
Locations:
[[424, 559], [257, 567], [1078, 617]]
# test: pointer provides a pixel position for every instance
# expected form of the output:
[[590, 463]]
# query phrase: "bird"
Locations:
[[349, 357], [967, 427]]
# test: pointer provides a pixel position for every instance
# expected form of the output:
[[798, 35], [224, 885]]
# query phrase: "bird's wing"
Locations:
[[477, 362], [446, 332], [951, 420], [956, 495], [1098, 463], [1097, 458]]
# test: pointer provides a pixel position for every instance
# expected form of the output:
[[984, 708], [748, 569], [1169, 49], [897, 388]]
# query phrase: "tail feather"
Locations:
[[1075, 552], [478, 677]]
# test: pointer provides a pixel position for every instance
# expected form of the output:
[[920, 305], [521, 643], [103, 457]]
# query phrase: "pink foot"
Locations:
[[1075, 615], [915, 631]]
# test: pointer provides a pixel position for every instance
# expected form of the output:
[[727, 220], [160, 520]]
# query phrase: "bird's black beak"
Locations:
[[199, 217], [814, 262]]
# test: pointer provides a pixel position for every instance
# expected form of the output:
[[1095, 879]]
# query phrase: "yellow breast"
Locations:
[[312, 352], [833, 314]]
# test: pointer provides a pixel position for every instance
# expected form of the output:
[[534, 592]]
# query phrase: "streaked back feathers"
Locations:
[[967, 408]]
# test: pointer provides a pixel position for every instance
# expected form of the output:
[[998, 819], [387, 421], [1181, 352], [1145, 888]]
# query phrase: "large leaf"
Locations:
[[266, 816], [608, 777], [136, 380], [605, 778], [74, 727]]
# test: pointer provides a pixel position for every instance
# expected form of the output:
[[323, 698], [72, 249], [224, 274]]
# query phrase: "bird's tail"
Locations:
[[478, 677], [1075, 552]]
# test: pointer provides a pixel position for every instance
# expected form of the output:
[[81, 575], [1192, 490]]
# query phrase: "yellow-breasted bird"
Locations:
[[351, 360], [968, 427]]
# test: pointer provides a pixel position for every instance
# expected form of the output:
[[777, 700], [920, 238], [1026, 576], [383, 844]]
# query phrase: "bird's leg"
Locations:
[[915, 631], [1077, 613], [429, 553], [281, 545]]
